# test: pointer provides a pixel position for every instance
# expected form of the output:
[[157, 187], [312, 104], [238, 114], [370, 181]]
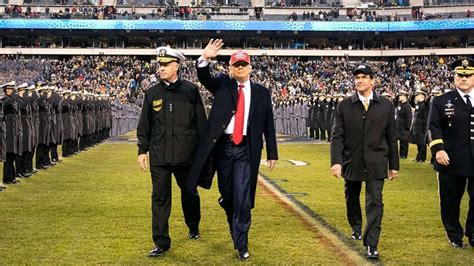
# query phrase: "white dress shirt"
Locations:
[[362, 98], [471, 96]]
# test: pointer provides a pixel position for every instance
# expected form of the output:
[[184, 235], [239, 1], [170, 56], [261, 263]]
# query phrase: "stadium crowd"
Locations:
[[205, 13]]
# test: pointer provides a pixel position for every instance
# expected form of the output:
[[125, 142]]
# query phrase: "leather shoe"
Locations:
[[43, 167], [372, 253], [456, 243], [243, 254], [34, 171], [194, 235], [12, 182], [356, 235], [156, 252]]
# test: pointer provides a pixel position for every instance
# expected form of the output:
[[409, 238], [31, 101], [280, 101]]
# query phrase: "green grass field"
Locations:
[[95, 209], [412, 232]]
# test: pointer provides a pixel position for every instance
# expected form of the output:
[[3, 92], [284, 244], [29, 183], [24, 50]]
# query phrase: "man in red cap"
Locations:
[[240, 116]]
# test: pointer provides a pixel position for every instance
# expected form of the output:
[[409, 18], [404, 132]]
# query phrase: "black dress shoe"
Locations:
[[12, 182], [34, 171], [156, 252], [356, 235], [43, 167], [372, 253], [57, 160], [243, 254], [19, 175], [456, 243], [194, 235]]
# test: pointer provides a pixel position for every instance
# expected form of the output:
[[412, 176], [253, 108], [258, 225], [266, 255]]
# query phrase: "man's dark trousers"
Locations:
[[404, 148], [9, 168], [233, 171], [373, 209], [161, 203], [451, 190]]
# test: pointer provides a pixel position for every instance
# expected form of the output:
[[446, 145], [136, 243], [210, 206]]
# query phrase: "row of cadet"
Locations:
[[36, 119]]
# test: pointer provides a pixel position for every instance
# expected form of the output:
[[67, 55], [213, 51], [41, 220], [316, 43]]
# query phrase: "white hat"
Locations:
[[166, 55]]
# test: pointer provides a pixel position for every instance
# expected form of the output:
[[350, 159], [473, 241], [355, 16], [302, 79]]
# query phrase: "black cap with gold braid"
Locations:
[[463, 66]]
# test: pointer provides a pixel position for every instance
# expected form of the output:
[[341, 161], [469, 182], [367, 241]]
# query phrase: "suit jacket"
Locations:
[[449, 129], [260, 123], [365, 143]]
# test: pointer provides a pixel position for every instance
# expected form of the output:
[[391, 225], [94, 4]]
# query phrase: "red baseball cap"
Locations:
[[239, 56]]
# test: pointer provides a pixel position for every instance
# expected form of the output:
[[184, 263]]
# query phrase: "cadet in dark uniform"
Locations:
[[27, 137], [2, 137], [451, 136], [418, 130], [13, 132], [404, 117], [44, 125], [171, 122], [32, 101]]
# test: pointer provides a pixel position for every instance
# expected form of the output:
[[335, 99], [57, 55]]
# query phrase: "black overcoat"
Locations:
[[365, 143], [404, 117], [420, 124], [259, 124]]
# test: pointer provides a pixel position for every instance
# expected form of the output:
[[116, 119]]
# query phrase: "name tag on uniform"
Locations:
[[157, 105], [449, 109]]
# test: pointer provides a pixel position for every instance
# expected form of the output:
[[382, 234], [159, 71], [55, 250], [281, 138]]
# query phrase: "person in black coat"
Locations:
[[404, 117], [44, 127], [241, 115], [2, 138], [364, 148], [27, 136], [171, 122], [13, 132], [420, 124], [451, 140]]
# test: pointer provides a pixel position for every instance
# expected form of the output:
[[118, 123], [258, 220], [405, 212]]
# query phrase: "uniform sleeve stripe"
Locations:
[[434, 142]]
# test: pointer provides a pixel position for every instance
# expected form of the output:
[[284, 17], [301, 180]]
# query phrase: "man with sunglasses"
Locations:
[[241, 115], [451, 140], [172, 120]]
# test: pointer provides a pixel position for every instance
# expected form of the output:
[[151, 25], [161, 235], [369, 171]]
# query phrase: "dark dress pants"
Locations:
[[421, 155], [9, 168], [29, 160], [451, 190], [161, 203], [20, 163], [54, 152], [373, 209], [404, 148], [42, 157], [233, 173]]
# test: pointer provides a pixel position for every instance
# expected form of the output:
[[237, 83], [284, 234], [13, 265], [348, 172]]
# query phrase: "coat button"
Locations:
[[223, 126], [214, 140], [365, 171], [233, 111]]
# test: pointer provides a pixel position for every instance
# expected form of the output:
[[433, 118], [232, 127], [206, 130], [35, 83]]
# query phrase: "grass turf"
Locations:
[[94, 208], [412, 231]]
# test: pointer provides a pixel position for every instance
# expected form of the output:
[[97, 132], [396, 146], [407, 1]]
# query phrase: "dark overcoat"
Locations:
[[404, 117], [260, 123], [420, 124], [365, 143], [13, 126]]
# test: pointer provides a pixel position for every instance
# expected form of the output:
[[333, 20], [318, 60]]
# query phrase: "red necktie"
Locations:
[[239, 117]]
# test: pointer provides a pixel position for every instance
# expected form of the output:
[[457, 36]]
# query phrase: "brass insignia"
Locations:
[[162, 53], [157, 105], [465, 63]]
